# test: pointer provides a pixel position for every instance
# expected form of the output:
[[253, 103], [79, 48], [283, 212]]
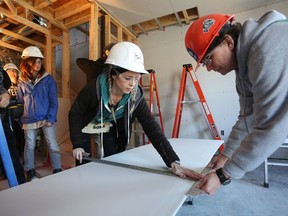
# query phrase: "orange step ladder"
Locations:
[[188, 69], [151, 87]]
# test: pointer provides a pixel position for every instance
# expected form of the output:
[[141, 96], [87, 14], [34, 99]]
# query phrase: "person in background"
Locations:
[[93, 68], [37, 91], [15, 109], [257, 52], [107, 107], [4, 102]]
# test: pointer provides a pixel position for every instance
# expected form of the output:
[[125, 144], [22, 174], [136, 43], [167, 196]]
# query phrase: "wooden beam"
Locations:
[[178, 19], [46, 16], [69, 9], [119, 33], [24, 21], [48, 53], [142, 29], [20, 37], [159, 24], [94, 35], [73, 22], [11, 6], [53, 63], [9, 46], [107, 30], [42, 4], [132, 30], [79, 28], [55, 38], [66, 65], [186, 17]]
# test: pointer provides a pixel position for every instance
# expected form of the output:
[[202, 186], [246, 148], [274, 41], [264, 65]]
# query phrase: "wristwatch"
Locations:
[[222, 177]]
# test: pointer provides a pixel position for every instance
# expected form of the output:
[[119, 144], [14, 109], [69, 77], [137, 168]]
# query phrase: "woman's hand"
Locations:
[[185, 172], [78, 154], [48, 124]]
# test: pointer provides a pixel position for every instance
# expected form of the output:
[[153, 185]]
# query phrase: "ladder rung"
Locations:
[[190, 102], [146, 86]]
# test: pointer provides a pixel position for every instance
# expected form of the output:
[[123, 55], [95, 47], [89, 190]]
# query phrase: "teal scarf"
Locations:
[[107, 114]]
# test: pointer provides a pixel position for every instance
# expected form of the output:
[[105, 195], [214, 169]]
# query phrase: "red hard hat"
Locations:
[[202, 32]]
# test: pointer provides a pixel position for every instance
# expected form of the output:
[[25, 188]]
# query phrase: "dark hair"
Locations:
[[232, 30], [115, 70], [26, 67]]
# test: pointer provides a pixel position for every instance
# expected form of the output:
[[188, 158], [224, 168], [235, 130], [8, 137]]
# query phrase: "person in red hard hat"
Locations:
[[257, 52]]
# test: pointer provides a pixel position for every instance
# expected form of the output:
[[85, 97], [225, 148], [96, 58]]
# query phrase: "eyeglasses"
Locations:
[[207, 59]]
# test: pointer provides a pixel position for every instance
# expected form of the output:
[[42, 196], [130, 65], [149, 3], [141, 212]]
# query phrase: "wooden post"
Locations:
[[93, 33], [48, 53], [66, 65]]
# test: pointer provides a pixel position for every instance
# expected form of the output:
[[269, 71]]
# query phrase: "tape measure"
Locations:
[[112, 163], [129, 166]]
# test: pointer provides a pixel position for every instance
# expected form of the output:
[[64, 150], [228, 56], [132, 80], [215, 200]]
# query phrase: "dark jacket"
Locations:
[[87, 106]]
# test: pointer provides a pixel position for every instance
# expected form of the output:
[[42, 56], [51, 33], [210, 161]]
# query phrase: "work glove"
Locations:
[[185, 172]]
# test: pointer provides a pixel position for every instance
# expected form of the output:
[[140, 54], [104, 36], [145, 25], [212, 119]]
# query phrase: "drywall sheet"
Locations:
[[100, 189]]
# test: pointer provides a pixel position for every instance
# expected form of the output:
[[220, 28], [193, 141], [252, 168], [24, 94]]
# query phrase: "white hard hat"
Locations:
[[11, 66], [127, 55], [31, 51]]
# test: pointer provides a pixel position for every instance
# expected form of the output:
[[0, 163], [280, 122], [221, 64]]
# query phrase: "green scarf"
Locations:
[[107, 114]]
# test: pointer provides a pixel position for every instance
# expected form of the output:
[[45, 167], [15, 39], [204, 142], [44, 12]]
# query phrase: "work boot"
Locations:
[[32, 175], [56, 170]]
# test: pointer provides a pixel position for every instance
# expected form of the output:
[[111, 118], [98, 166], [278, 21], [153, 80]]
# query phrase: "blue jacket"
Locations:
[[40, 100]]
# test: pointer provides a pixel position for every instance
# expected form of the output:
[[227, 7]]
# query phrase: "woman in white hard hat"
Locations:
[[15, 109], [107, 107], [37, 90]]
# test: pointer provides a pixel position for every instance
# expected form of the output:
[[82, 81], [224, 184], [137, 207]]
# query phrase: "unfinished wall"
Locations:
[[164, 51]]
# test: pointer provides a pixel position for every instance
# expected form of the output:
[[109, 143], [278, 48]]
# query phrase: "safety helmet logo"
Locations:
[[207, 24], [138, 58]]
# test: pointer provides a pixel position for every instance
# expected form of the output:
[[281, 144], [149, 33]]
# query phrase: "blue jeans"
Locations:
[[30, 143]]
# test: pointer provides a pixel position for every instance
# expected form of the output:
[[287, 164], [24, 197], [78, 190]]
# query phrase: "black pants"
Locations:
[[111, 143], [19, 170], [19, 136]]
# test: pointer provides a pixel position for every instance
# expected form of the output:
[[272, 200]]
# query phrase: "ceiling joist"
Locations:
[[36, 22], [159, 23]]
